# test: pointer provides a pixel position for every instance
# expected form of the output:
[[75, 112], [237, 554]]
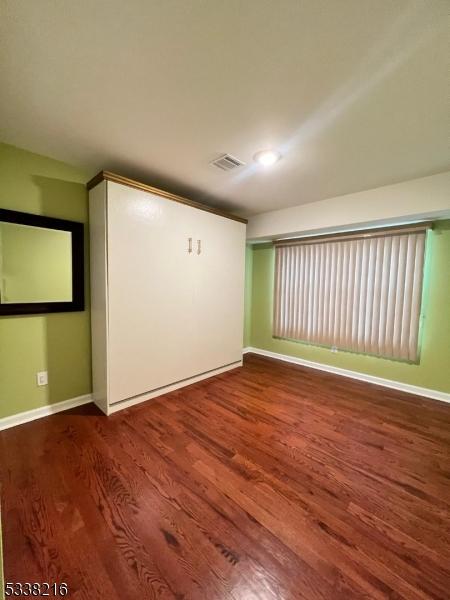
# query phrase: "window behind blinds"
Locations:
[[356, 293]]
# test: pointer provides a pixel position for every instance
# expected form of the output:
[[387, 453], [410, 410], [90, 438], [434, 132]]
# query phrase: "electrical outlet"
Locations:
[[42, 378], [334, 349]]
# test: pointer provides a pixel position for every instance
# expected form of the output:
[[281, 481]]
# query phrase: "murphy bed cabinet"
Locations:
[[167, 291]]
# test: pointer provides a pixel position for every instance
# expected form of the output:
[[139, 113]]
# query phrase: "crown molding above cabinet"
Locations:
[[108, 176]]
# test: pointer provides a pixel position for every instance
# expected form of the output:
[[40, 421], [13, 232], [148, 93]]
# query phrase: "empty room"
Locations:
[[225, 299]]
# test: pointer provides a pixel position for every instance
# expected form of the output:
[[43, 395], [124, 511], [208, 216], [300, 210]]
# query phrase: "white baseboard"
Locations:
[[43, 411], [389, 383]]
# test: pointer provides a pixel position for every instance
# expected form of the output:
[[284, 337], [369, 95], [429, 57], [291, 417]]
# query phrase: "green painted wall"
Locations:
[[433, 372], [248, 295], [60, 342]]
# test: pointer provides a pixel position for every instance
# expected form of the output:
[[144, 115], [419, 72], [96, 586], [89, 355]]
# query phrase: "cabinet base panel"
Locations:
[[122, 404]]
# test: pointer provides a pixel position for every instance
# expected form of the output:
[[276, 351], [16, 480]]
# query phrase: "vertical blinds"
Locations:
[[356, 293]]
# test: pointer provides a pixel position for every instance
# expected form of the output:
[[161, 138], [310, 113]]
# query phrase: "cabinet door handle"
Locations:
[[189, 245], [199, 246]]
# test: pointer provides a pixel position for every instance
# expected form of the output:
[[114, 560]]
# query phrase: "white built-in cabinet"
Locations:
[[167, 293]]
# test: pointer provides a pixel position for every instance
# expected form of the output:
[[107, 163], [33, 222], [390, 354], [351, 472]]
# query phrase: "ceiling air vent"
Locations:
[[227, 162]]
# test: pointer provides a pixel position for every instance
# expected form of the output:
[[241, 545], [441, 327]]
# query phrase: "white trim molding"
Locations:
[[43, 411], [389, 383]]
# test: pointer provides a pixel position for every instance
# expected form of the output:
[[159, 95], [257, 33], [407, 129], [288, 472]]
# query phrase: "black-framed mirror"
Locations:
[[41, 264]]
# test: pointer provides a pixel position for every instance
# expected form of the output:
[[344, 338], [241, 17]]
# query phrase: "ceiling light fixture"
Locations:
[[267, 158]]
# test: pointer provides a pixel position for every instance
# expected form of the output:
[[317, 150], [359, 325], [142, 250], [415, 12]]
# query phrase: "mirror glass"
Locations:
[[35, 264]]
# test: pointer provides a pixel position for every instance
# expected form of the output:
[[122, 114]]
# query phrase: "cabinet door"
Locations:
[[151, 291], [218, 291]]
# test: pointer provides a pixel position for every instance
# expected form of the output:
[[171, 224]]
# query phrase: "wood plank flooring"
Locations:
[[271, 482]]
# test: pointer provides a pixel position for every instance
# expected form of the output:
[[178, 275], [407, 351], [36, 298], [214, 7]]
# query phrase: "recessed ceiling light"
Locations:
[[267, 158]]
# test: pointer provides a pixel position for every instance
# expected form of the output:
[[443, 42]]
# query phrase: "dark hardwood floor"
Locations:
[[271, 481]]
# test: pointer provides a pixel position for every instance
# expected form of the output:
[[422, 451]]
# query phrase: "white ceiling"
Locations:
[[355, 93]]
